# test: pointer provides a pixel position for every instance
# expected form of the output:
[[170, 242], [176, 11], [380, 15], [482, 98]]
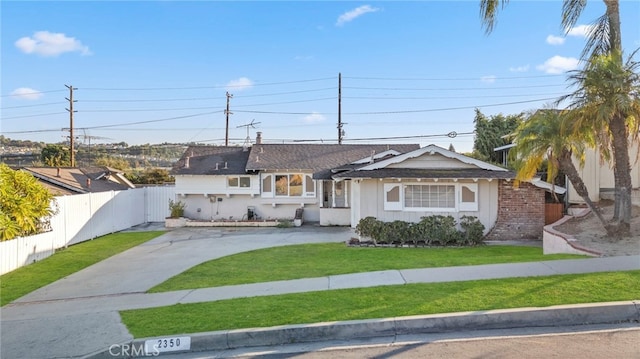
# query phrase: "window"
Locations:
[[439, 197], [430, 196], [392, 197], [468, 196], [239, 181], [288, 185]]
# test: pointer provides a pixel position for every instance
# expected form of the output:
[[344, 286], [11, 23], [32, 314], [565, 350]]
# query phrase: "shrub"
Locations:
[[176, 208], [472, 230], [369, 227], [439, 229]]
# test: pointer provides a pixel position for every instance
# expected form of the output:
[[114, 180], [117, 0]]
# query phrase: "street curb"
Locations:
[[562, 315]]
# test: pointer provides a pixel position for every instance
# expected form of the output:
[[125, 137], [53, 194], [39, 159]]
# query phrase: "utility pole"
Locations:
[[227, 112], [340, 132], [71, 111]]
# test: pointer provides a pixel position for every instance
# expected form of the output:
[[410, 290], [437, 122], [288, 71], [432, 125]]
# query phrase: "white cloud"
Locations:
[[558, 65], [240, 84], [25, 93], [314, 117], [555, 40], [580, 30], [488, 79], [45, 43], [524, 68], [353, 14]]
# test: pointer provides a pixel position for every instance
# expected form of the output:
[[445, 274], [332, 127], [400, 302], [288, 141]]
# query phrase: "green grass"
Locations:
[[383, 302], [318, 260], [64, 262]]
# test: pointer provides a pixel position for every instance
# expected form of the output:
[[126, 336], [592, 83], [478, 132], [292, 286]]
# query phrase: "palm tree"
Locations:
[[604, 39], [607, 97], [549, 136]]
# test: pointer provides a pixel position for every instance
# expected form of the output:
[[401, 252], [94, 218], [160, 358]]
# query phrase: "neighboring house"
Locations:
[[599, 180], [597, 175], [341, 184], [76, 180]]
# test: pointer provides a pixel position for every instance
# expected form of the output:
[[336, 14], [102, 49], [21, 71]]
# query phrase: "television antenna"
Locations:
[[247, 140]]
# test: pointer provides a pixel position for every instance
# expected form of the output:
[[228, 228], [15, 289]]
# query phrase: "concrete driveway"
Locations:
[[77, 315]]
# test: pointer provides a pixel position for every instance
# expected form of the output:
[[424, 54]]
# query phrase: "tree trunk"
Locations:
[[620, 148], [566, 165], [615, 33], [619, 136]]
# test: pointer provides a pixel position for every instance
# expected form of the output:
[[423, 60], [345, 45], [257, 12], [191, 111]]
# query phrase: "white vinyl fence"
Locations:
[[86, 216]]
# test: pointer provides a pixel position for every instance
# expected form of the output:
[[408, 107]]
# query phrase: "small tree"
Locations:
[[55, 156], [25, 205]]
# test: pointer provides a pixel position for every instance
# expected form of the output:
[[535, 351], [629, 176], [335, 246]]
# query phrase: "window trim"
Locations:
[[305, 178], [239, 180], [459, 205]]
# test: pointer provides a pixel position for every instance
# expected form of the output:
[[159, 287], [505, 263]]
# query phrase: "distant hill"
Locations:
[[27, 153]]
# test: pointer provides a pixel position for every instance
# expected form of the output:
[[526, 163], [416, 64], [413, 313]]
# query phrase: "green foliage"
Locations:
[[284, 224], [113, 162], [490, 132], [440, 230], [150, 176], [55, 156], [431, 231], [472, 230], [176, 208], [25, 205]]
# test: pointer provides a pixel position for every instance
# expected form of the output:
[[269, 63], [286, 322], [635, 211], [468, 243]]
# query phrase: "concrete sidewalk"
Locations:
[[78, 314]]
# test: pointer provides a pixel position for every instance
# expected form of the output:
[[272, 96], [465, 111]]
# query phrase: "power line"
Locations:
[[35, 105], [151, 121], [449, 88], [450, 78], [36, 115], [405, 111], [203, 87], [31, 93]]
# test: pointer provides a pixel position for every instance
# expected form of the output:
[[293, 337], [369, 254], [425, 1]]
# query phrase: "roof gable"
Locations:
[[65, 180], [430, 150]]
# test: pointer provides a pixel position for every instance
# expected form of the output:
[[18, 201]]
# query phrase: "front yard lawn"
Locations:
[[383, 302], [324, 259], [64, 262]]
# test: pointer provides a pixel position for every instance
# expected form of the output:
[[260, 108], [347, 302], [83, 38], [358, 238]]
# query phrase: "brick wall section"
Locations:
[[520, 212]]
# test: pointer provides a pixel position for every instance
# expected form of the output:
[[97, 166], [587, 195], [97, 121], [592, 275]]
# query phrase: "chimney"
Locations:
[[88, 182], [58, 172], [258, 138]]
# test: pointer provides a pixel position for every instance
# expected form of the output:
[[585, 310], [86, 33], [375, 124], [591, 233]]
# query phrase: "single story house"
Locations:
[[341, 184]]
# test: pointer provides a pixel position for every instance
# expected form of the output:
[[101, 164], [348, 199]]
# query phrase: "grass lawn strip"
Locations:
[[383, 302], [64, 262], [324, 259]]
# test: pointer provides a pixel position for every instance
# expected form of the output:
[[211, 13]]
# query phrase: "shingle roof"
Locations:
[[468, 173], [316, 158], [66, 180], [212, 160]]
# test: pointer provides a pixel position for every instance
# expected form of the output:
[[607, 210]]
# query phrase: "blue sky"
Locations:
[[159, 71]]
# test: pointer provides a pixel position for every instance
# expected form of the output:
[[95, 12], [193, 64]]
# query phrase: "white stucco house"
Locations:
[[341, 184]]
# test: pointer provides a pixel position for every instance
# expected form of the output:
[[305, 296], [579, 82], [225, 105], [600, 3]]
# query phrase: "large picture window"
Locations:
[[438, 197], [430, 196]]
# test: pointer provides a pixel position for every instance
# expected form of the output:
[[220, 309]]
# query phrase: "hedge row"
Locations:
[[434, 230]]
